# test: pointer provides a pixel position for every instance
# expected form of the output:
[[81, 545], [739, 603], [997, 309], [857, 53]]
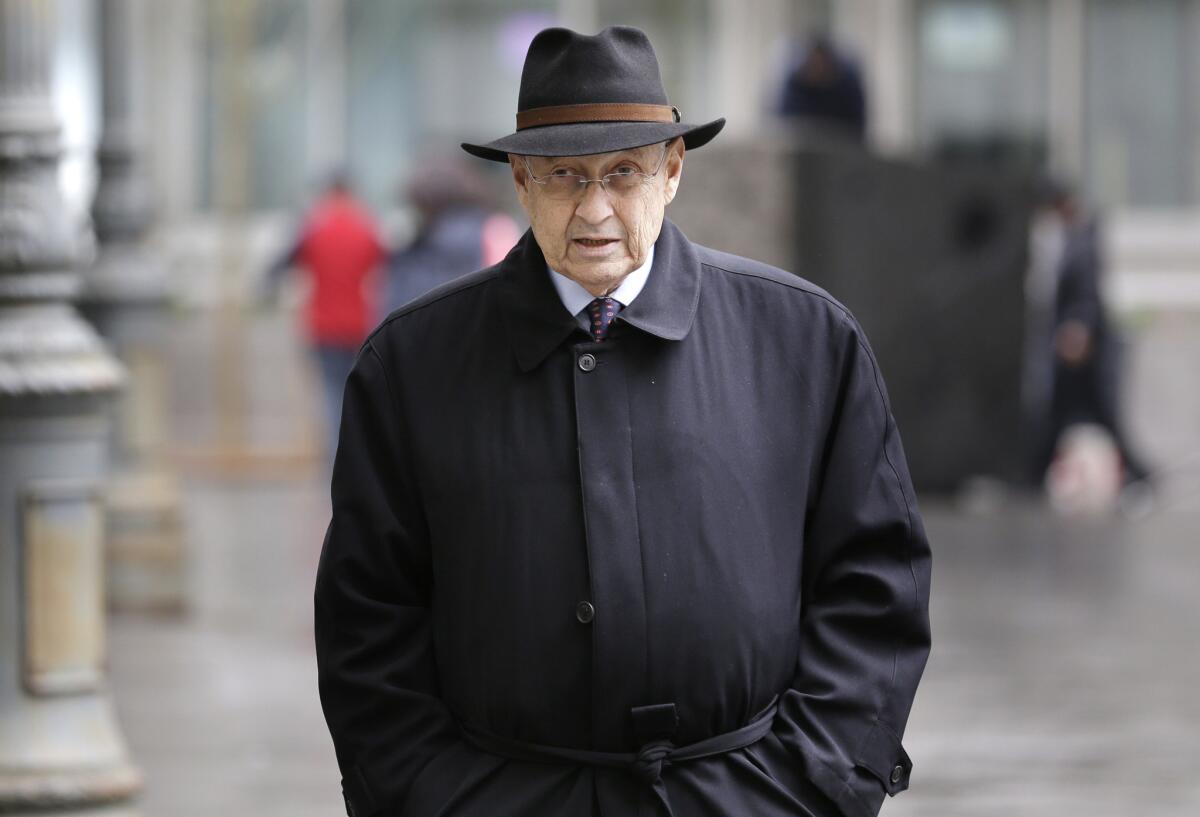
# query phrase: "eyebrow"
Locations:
[[635, 156]]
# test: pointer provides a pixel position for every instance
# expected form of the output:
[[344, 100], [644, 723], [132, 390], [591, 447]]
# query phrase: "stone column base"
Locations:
[[69, 792]]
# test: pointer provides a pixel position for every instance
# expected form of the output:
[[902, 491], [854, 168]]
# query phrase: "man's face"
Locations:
[[596, 238]]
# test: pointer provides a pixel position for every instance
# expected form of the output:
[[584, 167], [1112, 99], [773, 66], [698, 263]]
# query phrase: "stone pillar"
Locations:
[[328, 113], [882, 36], [581, 15], [750, 52], [61, 751], [1065, 85], [126, 297]]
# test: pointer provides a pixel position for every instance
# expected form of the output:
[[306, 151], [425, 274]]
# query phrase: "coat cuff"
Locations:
[[881, 766], [882, 755]]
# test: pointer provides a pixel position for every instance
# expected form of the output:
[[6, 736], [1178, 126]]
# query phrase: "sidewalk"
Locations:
[[220, 708]]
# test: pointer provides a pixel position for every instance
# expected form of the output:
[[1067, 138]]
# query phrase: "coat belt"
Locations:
[[646, 763]]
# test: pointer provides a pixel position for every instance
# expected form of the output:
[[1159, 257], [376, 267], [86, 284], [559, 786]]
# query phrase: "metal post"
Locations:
[[61, 750], [126, 296]]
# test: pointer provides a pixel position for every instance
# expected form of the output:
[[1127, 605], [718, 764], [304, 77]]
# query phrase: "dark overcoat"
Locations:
[[562, 575]]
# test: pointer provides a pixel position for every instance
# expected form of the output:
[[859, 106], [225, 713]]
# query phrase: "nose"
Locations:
[[595, 206]]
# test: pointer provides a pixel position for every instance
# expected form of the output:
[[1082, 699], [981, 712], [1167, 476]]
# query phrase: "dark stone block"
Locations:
[[930, 259]]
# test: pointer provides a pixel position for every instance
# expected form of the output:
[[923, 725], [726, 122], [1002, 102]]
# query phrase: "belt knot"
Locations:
[[648, 764]]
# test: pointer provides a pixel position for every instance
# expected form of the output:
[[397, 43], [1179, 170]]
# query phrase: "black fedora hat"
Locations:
[[592, 94]]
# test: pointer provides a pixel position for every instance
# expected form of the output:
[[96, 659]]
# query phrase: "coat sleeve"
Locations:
[[377, 679], [864, 617]]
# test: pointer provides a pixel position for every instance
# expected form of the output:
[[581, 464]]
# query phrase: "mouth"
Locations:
[[595, 249]]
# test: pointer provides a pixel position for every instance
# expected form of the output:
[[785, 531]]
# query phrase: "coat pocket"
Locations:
[[781, 768], [448, 780]]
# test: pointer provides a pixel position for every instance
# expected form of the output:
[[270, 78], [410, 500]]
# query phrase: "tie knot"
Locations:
[[601, 312]]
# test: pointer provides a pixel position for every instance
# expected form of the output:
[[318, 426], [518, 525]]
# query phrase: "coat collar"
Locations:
[[537, 321]]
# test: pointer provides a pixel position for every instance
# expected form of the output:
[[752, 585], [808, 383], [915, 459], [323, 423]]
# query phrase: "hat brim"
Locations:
[[584, 139]]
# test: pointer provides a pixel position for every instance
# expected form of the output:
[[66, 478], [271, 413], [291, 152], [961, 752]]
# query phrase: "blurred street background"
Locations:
[[1006, 193]]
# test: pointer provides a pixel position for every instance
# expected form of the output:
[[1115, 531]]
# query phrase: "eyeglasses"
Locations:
[[625, 181]]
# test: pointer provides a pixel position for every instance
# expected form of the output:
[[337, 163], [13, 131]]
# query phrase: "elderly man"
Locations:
[[622, 525]]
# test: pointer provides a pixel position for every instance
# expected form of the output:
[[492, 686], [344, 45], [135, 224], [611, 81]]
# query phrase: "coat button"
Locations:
[[897, 774], [585, 612], [587, 362]]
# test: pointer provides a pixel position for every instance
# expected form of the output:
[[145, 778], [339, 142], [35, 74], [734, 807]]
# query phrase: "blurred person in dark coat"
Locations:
[[826, 89], [338, 250], [621, 525], [1084, 346], [458, 231]]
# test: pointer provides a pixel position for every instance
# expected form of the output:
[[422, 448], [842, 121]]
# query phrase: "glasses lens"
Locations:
[[624, 184], [563, 186]]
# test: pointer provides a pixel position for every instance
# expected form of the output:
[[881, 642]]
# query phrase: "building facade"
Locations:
[[252, 103]]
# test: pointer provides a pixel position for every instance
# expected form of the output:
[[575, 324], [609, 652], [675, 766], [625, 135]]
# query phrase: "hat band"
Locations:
[[596, 112]]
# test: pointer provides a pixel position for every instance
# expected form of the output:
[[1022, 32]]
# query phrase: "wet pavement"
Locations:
[[1064, 677], [1063, 681]]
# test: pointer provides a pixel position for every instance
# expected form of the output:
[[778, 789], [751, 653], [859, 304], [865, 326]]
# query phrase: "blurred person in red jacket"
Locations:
[[339, 250]]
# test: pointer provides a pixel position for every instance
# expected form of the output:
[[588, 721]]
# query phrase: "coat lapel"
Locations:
[[667, 304], [536, 320]]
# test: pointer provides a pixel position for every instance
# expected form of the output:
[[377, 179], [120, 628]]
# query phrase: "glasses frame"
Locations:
[[583, 182]]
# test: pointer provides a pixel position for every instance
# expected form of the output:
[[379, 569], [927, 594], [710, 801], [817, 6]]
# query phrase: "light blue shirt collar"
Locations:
[[575, 298]]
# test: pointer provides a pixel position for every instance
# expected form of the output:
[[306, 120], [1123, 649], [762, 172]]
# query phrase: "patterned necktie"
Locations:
[[602, 311]]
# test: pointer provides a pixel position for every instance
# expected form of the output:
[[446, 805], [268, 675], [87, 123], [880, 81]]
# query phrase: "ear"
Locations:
[[674, 168], [520, 177]]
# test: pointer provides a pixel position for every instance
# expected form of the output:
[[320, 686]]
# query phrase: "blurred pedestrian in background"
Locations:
[[1082, 346], [459, 230], [339, 250], [826, 90]]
